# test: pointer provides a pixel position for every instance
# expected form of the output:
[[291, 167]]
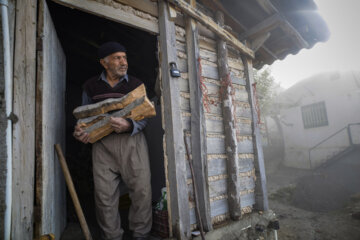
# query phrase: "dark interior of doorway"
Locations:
[[80, 34]]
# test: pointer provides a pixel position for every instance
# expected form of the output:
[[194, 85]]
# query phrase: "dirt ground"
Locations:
[[313, 206]]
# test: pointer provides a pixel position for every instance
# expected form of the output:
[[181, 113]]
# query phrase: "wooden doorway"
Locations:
[[80, 34]]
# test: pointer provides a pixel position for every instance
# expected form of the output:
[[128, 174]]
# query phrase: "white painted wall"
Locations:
[[341, 94]]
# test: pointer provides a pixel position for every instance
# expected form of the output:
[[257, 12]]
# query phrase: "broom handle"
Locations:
[[73, 194], [197, 211]]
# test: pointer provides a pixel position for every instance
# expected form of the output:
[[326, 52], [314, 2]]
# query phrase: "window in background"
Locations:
[[314, 115]]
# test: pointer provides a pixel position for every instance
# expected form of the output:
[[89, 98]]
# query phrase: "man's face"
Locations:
[[116, 64]]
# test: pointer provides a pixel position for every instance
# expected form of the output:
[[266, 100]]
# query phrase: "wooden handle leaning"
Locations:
[[73, 194]]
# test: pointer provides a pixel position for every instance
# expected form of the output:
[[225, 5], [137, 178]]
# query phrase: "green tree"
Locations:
[[266, 89]]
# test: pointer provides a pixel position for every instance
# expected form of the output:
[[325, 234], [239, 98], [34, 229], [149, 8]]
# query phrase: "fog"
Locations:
[[339, 53], [311, 134]]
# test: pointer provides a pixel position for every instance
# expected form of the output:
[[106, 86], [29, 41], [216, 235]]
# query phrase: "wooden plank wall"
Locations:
[[216, 155], [24, 129], [217, 159]]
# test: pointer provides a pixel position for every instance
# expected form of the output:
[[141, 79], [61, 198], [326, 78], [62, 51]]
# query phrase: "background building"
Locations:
[[319, 118]]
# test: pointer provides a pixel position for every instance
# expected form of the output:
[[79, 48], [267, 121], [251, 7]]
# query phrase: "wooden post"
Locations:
[[174, 150], [24, 129], [229, 127], [72, 191], [263, 27], [259, 41], [261, 200], [198, 127]]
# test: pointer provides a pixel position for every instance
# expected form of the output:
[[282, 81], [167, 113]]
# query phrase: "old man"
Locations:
[[121, 156]]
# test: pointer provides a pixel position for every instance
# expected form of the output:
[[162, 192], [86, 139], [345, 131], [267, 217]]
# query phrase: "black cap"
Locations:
[[109, 48]]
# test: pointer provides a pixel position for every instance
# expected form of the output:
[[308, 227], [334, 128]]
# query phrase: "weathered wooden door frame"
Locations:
[[114, 14], [174, 152], [94, 8], [23, 130], [50, 201]]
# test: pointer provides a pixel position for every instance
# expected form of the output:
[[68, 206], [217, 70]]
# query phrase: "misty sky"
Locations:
[[340, 52]]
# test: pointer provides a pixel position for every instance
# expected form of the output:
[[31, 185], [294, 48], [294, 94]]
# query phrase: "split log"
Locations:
[[110, 104], [100, 127], [135, 104]]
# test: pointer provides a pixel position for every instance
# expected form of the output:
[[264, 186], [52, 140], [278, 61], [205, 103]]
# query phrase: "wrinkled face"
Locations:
[[115, 64]]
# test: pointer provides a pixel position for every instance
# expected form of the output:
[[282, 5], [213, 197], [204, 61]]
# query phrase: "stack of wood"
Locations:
[[94, 118]]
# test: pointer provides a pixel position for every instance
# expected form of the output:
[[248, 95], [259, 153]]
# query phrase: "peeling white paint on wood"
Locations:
[[236, 63], [180, 34], [181, 54], [242, 108], [180, 46], [237, 73], [208, 55], [209, 63], [207, 43], [127, 9], [218, 164], [217, 146]]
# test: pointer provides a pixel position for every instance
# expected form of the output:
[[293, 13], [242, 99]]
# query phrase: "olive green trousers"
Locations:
[[121, 158]]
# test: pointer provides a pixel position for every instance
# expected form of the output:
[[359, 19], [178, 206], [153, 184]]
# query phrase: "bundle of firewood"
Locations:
[[94, 118]]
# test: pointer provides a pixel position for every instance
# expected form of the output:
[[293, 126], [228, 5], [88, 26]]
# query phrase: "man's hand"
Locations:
[[120, 124], [81, 135]]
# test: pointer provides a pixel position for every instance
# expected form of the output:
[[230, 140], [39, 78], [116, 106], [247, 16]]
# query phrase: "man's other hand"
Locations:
[[81, 135], [120, 124]]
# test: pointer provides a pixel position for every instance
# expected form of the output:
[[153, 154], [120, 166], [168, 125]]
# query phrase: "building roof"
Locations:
[[293, 25], [326, 84]]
